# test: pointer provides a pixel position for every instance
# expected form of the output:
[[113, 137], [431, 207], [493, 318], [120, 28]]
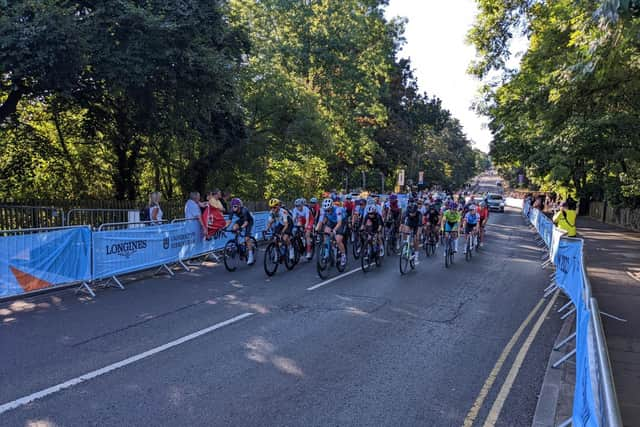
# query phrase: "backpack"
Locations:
[[144, 214]]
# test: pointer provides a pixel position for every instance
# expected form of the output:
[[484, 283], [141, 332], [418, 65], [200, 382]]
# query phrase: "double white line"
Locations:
[[496, 408]]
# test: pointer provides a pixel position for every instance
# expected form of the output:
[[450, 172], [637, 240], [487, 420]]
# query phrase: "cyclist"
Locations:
[[470, 222], [315, 209], [450, 223], [349, 205], [372, 223], [281, 217], [303, 218], [483, 211], [331, 221], [358, 214], [412, 223], [432, 219], [243, 222]]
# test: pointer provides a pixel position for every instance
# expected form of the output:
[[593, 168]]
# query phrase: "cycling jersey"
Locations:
[[332, 218], [281, 217], [243, 215], [302, 216], [433, 216], [484, 213], [412, 221], [348, 207], [472, 219], [372, 225]]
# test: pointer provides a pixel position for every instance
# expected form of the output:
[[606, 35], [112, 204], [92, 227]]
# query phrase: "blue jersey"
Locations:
[[332, 217], [472, 218]]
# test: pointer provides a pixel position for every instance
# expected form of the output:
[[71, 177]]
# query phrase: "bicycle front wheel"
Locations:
[[322, 265], [405, 258], [271, 259], [366, 257], [231, 256]]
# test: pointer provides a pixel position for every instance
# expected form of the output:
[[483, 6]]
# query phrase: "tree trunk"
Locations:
[[10, 105]]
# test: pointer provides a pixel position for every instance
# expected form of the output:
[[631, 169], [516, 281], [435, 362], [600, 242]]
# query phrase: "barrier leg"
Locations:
[[183, 265], [564, 307], [564, 358], [166, 267], [568, 313], [117, 282], [620, 319], [551, 285], [566, 423], [84, 287], [564, 341], [550, 291]]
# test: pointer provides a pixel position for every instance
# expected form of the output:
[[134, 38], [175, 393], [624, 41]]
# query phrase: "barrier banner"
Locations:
[[514, 203], [122, 251], [568, 262], [555, 243], [30, 262], [117, 252], [584, 402]]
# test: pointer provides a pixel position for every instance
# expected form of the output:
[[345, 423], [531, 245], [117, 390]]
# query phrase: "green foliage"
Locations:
[[283, 98], [569, 117]]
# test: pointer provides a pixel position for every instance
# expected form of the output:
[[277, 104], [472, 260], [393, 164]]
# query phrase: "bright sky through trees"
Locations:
[[435, 36]]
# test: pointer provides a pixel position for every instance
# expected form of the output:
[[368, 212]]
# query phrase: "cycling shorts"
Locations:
[[469, 228], [340, 231], [280, 229], [244, 232], [450, 226]]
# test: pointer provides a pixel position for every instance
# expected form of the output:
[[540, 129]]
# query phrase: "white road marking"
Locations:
[[326, 282], [494, 413], [93, 374], [475, 409]]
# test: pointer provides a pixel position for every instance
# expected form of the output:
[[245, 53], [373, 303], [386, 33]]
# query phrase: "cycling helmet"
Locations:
[[393, 198], [451, 205], [274, 203], [327, 203], [236, 202], [412, 209], [313, 200], [298, 202], [349, 196], [361, 201], [483, 204], [371, 209], [304, 201], [472, 207], [411, 200], [335, 197]]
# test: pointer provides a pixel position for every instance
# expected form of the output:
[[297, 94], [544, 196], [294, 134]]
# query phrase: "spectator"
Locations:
[[192, 209], [213, 216], [155, 211], [224, 200], [565, 219]]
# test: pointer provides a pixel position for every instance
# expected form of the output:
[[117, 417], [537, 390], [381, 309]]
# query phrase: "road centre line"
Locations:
[[326, 282], [473, 412], [494, 413], [93, 374]]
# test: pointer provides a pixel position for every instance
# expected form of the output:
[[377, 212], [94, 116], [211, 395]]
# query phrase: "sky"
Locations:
[[435, 37]]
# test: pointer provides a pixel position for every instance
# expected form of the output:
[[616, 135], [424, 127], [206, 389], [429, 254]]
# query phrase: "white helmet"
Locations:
[[298, 202], [472, 207], [371, 209], [327, 203]]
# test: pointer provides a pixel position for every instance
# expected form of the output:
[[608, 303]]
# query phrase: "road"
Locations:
[[374, 349]]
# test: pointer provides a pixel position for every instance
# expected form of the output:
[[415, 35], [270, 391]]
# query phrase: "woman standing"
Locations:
[[155, 211]]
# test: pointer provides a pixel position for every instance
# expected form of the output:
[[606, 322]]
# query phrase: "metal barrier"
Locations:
[[599, 366], [123, 225], [18, 216], [96, 217]]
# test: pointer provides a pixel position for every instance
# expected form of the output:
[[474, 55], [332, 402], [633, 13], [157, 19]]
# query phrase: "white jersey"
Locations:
[[301, 216]]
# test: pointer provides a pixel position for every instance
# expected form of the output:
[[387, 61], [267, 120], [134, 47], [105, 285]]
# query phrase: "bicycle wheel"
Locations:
[[447, 252], [467, 253], [271, 259], [322, 264], [405, 257], [231, 256], [477, 242], [341, 267], [356, 246], [288, 261], [366, 257]]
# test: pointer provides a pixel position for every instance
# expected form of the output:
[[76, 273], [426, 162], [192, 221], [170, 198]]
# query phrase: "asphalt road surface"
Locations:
[[436, 347]]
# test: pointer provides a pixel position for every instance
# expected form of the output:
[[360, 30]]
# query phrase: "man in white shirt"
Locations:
[[192, 209]]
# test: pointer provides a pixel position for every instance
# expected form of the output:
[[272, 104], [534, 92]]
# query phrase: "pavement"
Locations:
[[435, 347], [612, 256]]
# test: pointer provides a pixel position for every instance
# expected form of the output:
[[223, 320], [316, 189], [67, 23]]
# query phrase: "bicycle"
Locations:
[[430, 240], [328, 255], [370, 251], [299, 243], [356, 243], [406, 253], [449, 238], [470, 244], [235, 250], [277, 253], [391, 238]]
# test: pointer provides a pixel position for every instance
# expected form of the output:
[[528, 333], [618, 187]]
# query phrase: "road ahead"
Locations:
[[375, 349]]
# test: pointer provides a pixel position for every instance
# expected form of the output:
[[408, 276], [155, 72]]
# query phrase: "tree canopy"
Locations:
[[268, 98], [568, 118]]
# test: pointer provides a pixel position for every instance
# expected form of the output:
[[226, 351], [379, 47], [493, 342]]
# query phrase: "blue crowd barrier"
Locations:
[[594, 402], [49, 258]]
